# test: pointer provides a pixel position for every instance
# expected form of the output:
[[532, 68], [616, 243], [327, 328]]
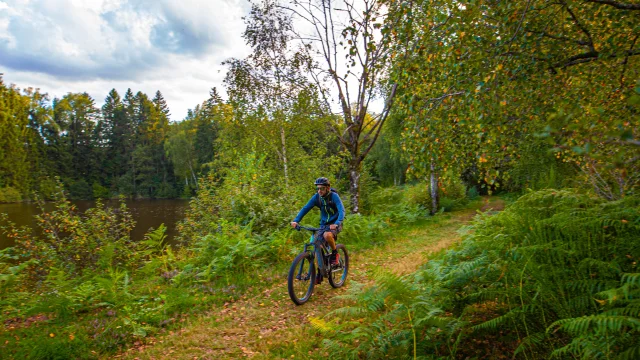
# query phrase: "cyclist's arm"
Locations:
[[312, 202], [340, 206]]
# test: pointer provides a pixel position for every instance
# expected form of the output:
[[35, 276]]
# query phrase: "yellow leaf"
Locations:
[[52, 335]]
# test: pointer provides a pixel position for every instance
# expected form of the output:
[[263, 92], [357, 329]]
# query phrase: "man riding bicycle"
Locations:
[[331, 215]]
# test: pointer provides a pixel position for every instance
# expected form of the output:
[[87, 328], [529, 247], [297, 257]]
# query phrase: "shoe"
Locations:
[[318, 279], [335, 260]]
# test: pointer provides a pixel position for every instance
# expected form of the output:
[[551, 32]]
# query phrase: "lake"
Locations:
[[148, 213]]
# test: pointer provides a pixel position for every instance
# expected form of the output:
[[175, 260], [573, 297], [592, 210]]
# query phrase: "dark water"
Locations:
[[147, 214]]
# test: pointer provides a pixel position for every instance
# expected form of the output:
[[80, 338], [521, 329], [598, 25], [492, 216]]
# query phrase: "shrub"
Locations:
[[231, 248], [454, 188], [9, 194], [47, 188], [472, 193], [100, 192], [74, 242], [80, 190], [418, 194]]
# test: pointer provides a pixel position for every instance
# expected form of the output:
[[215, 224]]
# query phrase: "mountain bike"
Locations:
[[303, 271]]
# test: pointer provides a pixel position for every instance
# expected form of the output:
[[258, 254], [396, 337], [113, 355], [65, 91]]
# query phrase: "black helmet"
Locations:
[[322, 181]]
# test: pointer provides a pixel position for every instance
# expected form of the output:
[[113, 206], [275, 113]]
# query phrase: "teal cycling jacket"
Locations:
[[331, 209]]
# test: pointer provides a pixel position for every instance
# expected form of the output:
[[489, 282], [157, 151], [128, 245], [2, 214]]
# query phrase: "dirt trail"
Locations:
[[270, 326]]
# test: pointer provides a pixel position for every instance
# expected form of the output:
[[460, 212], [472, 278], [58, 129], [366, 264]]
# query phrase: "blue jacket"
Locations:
[[331, 212]]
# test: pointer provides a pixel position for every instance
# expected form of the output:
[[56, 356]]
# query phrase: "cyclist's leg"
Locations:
[[331, 236]]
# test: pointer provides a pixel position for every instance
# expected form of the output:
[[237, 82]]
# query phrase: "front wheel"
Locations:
[[302, 278], [338, 274]]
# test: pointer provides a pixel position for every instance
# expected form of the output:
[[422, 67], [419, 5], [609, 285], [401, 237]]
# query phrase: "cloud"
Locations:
[[175, 46], [84, 40]]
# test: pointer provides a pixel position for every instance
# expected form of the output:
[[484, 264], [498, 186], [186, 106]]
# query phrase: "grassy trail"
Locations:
[[270, 326]]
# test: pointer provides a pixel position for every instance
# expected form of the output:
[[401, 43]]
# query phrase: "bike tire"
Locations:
[[338, 276], [298, 294]]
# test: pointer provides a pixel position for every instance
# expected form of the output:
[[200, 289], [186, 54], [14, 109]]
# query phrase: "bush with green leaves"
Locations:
[[99, 191], [556, 272], [9, 195], [232, 248]]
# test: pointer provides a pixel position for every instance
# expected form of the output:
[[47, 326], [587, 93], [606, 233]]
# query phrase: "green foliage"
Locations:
[[472, 193], [100, 192], [555, 272], [506, 91], [9, 195], [385, 320], [80, 190], [231, 248], [47, 188]]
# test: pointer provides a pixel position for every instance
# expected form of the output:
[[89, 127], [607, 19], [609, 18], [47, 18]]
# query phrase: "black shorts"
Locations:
[[325, 228]]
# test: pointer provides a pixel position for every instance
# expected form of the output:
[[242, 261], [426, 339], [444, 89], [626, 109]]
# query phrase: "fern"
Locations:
[[612, 323], [629, 354], [632, 279], [561, 261], [320, 325]]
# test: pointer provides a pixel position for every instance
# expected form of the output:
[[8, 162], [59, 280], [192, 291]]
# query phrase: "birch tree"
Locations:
[[347, 45], [269, 81]]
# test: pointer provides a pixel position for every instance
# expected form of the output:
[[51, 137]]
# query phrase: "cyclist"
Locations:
[[331, 216]]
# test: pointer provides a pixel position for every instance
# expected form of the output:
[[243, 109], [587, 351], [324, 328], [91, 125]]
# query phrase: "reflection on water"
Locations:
[[147, 214]]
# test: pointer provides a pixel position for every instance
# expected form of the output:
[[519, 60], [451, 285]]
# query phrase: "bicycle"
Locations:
[[302, 274]]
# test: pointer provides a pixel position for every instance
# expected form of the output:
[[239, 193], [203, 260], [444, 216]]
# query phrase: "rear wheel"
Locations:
[[301, 279], [338, 274]]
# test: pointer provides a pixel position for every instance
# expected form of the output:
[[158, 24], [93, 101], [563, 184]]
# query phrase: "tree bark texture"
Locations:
[[354, 186], [433, 188]]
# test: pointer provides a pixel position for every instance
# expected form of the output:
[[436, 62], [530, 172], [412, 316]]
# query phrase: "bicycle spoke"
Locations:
[[301, 278]]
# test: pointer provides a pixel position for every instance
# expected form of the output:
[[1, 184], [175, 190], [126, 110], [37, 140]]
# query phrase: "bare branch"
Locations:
[[626, 60], [386, 111], [580, 26], [616, 4]]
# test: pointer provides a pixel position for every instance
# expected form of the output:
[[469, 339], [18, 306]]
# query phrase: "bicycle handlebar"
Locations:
[[306, 228]]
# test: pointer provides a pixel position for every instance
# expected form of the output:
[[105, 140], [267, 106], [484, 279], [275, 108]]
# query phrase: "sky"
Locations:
[[93, 46]]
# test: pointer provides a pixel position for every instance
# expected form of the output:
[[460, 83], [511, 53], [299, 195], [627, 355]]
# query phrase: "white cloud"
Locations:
[[73, 45]]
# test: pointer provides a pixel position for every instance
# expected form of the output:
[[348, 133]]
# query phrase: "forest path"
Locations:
[[270, 326]]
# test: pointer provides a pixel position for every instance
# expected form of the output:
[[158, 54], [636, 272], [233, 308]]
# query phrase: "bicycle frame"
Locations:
[[316, 254], [317, 249]]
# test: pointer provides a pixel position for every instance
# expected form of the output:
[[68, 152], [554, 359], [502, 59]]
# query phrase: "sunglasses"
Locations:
[[321, 188]]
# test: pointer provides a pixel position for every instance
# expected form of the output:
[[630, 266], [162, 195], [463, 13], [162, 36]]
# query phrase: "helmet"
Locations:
[[322, 181]]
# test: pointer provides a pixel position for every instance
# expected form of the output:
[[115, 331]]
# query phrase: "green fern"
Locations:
[[629, 354], [611, 323]]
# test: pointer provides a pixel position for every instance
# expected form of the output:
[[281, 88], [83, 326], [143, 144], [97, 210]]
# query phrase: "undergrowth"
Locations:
[[84, 289], [553, 276]]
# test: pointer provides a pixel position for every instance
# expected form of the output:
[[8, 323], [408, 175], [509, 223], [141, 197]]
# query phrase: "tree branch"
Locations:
[[617, 5], [592, 56]]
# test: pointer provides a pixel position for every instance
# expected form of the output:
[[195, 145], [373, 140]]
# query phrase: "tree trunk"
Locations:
[[133, 176], [354, 186], [284, 157], [193, 175], [433, 188]]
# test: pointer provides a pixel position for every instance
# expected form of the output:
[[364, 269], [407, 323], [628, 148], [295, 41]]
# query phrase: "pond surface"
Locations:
[[148, 213]]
